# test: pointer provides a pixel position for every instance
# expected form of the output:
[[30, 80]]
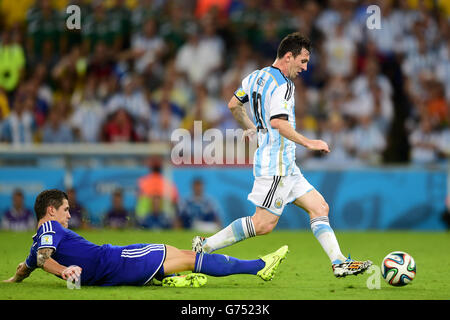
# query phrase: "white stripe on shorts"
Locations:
[[136, 253]]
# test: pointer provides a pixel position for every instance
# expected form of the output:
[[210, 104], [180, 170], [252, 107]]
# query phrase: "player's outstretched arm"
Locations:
[[22, 272], [240, 114], [50, 265], [286, 130]]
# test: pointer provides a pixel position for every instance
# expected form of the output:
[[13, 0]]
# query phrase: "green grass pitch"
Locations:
[[304, 275]]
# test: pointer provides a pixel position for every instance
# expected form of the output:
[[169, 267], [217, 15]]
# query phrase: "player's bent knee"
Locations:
[[264, 221], [321, 210], [264, 228]]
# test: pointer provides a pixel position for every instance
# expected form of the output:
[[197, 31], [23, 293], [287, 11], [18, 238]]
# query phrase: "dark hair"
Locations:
[[293, 42], [46, 198]]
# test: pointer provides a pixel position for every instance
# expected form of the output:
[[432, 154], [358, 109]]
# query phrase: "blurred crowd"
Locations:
[[138, 69], [157, 206]]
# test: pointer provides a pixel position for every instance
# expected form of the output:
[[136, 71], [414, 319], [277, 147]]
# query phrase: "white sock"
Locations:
[[236, 231], [321, 229]]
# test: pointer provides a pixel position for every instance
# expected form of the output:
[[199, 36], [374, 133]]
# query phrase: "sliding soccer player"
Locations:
[[66, 254]]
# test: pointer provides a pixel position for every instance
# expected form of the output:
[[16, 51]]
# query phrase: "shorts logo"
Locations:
[[278, 203], [47, 240]]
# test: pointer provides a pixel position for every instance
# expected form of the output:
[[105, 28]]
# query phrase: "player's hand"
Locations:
[[10, 280], [73, 272], [20, 274], [318, 145], [250, 134]]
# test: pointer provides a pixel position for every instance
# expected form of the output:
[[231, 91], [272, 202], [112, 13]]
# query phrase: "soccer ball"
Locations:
[[398, 268]]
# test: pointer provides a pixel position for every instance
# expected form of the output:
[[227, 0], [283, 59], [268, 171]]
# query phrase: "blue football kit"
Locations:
[[105, 265]]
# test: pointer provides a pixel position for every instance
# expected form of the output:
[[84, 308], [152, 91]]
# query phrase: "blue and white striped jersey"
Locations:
[[270, 95]]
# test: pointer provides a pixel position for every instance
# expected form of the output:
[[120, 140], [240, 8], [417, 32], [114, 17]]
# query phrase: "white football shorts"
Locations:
[[275, 192]]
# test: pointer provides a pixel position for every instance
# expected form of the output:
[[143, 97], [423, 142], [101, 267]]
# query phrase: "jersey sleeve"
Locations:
[[279, 107], [31, 260], [242, 92], [50, 235]]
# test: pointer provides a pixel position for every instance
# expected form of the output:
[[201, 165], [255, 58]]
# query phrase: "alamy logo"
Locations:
[[212, 147], [73, 21], [374, 281], [374, 20]]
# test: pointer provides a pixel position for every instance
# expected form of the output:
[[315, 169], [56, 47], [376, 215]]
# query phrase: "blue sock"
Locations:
[[220, 265]]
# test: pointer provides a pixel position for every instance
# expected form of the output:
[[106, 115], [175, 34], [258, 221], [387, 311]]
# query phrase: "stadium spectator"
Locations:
[[154, 185], [43, 33], [175, 90], [156, 218], [121, 15], [204, 7], [423, 143], [89, 112], [436, 106], [201, 56], [443, 64], [119, 127], [20, 126], [134, 100], [101, 64], [268, 43], [12, 61], [390, 74], [205, 108], [373, 96], [117, 216], [144, 11], [18, 217], [69, 73], [340, 53], [163, 122], [100, 27], [41, 89], [242, 64], [199, 212], [147, 48], [225, 117], [173, 26], [247, 19], [79, 218], [14, 13], [57, 129], [368, 141], [336, 131]]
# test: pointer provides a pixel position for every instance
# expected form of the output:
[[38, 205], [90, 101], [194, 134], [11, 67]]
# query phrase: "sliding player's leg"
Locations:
[[216, 265], [317, 208]]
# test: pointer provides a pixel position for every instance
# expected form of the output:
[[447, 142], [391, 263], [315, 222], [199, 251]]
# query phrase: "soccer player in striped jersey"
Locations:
[[67, 255], [278, 180]]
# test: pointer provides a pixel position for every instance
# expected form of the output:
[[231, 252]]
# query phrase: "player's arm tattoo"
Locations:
[[240, 114], [42, 255]]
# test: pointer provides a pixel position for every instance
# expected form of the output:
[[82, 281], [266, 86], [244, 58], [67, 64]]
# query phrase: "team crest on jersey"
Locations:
[[261, 82], [278, 203], [47, 240]]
